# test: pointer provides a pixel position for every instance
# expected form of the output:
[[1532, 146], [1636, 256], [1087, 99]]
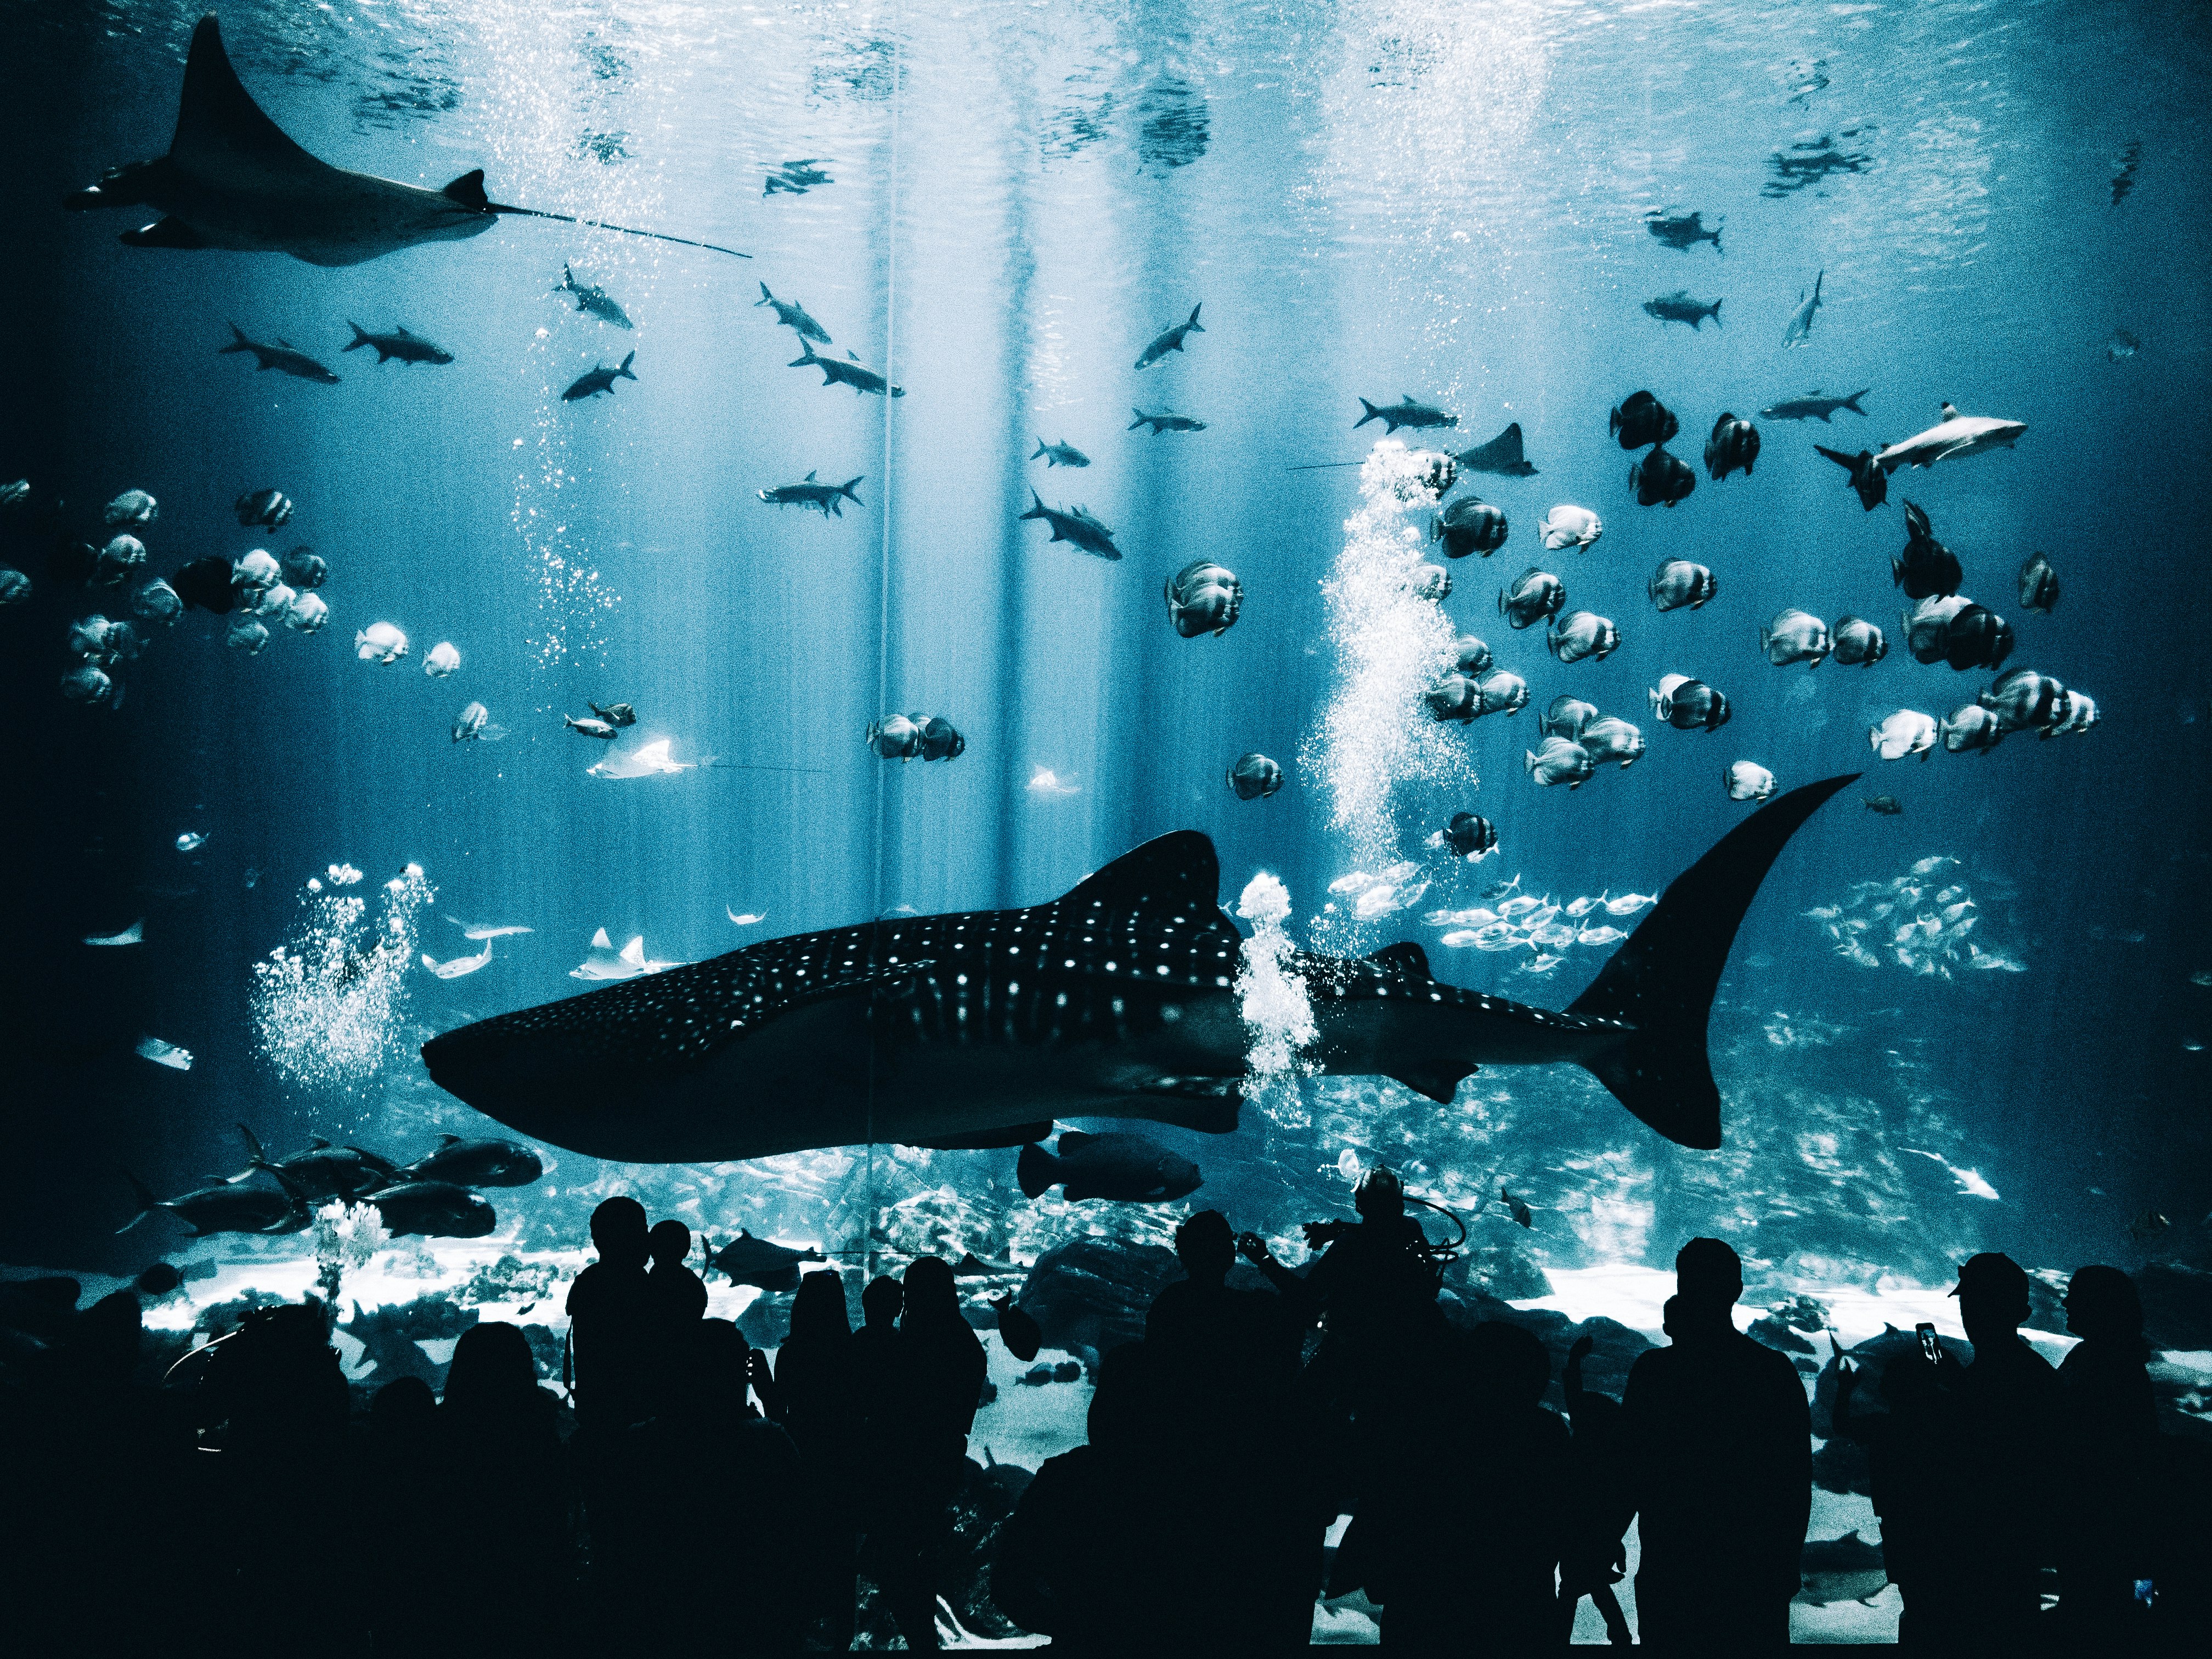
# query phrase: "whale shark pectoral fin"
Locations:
[[1406, 958], [1439, 1081], [1180, 865], [980, 1140]]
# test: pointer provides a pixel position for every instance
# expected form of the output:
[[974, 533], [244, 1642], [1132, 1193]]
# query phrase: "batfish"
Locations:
[[1115, 1000]]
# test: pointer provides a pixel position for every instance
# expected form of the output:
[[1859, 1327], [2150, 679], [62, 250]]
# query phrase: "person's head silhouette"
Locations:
[[1207, 1247], [931, 1295], [817, 1312], [2103, 1305], [881, 1302], [670, 1242], [492, 1367], [1380, 1196], [1992, 1292], [1507, 1366], [1708, 1279], [620, 1233]]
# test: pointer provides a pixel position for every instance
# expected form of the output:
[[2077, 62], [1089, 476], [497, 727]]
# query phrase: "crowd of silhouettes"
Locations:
[[702, 1497]]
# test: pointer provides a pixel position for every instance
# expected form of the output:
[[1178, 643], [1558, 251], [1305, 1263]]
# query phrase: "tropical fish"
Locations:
[[1678, 585], [1682, 231], [1640, 419], [873, 1031], [1661, 479], [1075, 525], [592, 382], [1061, 454], [1171, 340], [594, 300], [1131, 1168]]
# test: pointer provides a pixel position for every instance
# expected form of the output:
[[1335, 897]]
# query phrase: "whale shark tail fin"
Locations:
[[1662, 978]]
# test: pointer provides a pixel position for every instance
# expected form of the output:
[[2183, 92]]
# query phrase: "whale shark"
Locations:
[[1115, 1000], [233, 178]]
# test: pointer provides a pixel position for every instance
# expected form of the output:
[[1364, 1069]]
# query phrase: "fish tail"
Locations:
[[1662, 978], [1851, 402], [255, 1158], [360, 335], [238, 341], [147, 1202], [1193, 325], [1139, 422], [766, 298], [1715, 313], [1372, 414], [1036, 512], [1035, 1170], [846, 490], [1040, 449], [624, 370], [1717, 236]]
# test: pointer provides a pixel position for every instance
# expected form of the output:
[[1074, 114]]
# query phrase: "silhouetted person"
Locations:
[[1373, 1292], [1459, 1537], [403, 1472], [1246, 1527], [676, 1300], [2007, 1409], [938, 1382], [716, 1489], [1078, 1559], [876, 1395], [1912, 1451], [814, 1393], [2108, 1440], [1723, 1467], [498, 1499], [610, 1322], [1600, 1505]]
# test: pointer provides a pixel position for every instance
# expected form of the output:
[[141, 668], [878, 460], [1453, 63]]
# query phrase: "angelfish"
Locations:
[[1115, 1000]]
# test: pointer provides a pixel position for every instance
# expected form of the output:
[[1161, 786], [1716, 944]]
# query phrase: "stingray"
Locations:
[[604, 961], [650, 762], [458, 965], [484, 930], [233, 180]]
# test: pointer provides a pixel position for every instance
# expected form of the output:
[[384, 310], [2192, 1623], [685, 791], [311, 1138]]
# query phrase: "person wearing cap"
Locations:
[[2006, 1405], [1721, 1466]]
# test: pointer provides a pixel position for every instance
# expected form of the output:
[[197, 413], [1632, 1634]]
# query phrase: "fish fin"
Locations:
[[1071, 1138], [1180, 866], [766, 298], [255, 1158], [317, 1142], [1438, 1080], [147, 1202], [1407, 958], [221, 129], [1035, 1171], [1013, 1134], [624, 370], [1661, 980], [171, 233], [1194, 310], [1372, 414], [468, 190]]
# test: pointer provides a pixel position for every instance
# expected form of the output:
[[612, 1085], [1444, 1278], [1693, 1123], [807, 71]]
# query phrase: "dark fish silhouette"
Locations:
[[1661, 479], [323, 1170], [1075, 525], [824, 497], [1131, 1169], [913, 1028], [1680, 307], [434, 1209], [283, 357], [407, 347], [2124, 171], [233, 180], [594, 300], [1926, 568], [792, 315], [851, 372], [594, 381], [1813, 407], [1172, 339], [2039, 585], [1734, 444], [478, 1163], [1867, 478], [224, 1208], [1641, 419], [1683, 231], [1405, 412], [1887, 806], [761, 1262]]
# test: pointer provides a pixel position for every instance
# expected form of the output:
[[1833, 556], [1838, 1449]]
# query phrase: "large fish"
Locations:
[[1954, 436], [1116, 999], [233, 180]]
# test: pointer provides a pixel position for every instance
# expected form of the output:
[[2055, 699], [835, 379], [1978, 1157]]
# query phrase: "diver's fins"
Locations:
[[1662, 978]]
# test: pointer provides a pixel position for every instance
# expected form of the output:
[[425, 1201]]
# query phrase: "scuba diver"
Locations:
[[1373, 1291]]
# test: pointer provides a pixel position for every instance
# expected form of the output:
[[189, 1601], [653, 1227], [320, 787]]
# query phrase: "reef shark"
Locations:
[[233, 180], [1115, 1000], [1955, 436]]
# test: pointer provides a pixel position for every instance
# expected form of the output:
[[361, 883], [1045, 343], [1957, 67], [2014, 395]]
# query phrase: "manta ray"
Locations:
[[233, 180], [1115, 1000]]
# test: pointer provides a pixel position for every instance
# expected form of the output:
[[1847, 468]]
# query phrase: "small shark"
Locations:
[[792, 315], [1799, 332], [1954, 437], [407, 347], [1076, 525], [1061, 454], [854, 374], [1115, 1000], [1867, 478], [594, 381], [824, 497], [1164, 421], [1813, 407], [233, 180], [1406, 412], [280, 357], [1172, 340], [1502, 454], [1680, 307], [1682, 231], [594, 300]]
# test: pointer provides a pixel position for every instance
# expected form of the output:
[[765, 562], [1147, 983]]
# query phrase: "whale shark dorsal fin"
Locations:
[[220, 125], [1407, 958], [1950, 411], [810, 477], [633, 952], [1180, 866], [317, 1142]]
